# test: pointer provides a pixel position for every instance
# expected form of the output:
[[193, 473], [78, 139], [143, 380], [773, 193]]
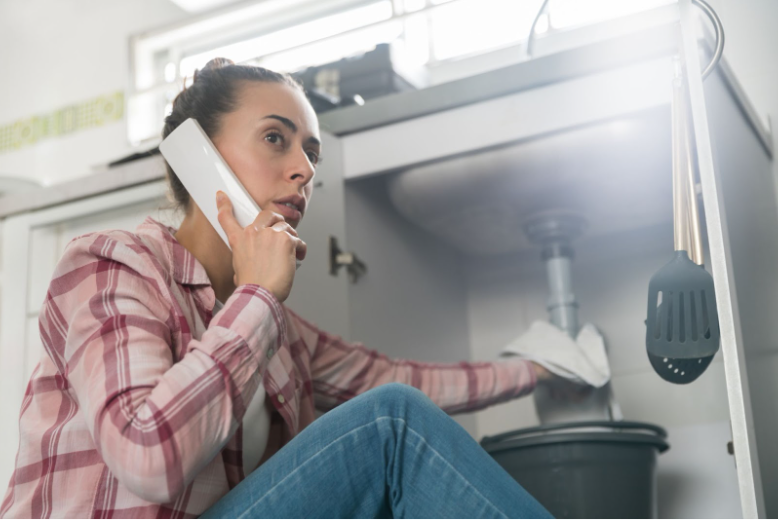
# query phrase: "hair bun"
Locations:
[[216, 63]]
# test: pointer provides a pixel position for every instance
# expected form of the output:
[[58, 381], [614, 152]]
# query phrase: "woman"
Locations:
[[176, 384]]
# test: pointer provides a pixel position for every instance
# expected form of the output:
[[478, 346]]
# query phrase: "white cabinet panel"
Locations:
[[43, 256], [32, 348], [699, 481], [123, 218]]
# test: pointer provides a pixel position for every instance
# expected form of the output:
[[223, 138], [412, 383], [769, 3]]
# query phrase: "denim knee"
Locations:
[[397, 394]]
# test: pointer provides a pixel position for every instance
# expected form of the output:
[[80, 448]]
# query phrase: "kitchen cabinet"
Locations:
[[587, 127]]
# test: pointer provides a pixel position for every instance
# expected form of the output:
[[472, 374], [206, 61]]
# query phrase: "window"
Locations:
[[289, 35]]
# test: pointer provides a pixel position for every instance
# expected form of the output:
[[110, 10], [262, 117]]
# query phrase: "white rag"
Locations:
[[582, 360]]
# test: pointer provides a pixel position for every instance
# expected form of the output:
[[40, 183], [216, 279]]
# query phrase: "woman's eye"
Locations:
[[274, 138], [313, 157]]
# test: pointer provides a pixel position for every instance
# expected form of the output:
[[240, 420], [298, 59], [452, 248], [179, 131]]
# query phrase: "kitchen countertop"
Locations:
[[137, 172]]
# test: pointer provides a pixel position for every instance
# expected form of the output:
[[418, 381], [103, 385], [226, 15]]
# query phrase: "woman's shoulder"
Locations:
[[115, 263], [105, 244], [130, 249], [102, 274]]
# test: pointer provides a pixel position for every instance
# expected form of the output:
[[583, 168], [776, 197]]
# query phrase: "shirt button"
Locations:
[[269, 353], [281, 398]]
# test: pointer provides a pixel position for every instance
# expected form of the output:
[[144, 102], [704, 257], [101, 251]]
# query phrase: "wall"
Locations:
[[59, 52], [751, 43], [750, 48]]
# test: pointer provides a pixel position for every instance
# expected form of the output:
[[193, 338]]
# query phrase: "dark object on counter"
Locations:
[[595, 469], [350, 80], [134, 157]]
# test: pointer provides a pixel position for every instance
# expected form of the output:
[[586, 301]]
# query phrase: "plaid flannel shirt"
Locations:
[[135, 408]]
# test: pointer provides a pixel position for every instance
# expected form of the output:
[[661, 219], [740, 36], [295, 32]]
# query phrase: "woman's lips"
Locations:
[[289, 213]]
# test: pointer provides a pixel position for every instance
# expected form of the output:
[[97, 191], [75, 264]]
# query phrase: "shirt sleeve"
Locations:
[[341, 370], [110, 330]]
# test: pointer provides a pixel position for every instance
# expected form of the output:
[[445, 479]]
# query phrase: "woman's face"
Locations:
[[272, 144]]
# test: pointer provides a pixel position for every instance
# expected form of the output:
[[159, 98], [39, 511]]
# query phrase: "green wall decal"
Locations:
[[67, 120]]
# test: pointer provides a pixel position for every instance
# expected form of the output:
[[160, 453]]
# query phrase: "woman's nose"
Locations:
[[301, 169]]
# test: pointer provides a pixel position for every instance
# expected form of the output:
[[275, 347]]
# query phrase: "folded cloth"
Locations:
[[582, 360]]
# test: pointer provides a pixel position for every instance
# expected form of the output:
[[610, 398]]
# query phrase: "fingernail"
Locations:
[[219, 196]]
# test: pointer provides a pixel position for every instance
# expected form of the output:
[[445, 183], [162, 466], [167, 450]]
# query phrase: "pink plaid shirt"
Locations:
[[135, 408]]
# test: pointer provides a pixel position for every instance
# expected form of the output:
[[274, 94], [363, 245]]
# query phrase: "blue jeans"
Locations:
[[389, 452]]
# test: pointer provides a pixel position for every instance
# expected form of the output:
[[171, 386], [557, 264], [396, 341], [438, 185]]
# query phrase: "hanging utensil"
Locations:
[[682, 334]]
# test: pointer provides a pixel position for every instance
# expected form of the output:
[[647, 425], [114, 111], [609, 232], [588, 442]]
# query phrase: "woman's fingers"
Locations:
[[261, 252], [226, 217], [301, 249], [283, 226], [267, 218]]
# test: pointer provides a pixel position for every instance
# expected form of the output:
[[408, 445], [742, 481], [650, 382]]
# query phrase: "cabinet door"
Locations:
[[32, 245], [316, 295], [734, 159]]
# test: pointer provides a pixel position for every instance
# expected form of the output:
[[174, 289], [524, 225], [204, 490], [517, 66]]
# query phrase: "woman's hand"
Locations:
[[561, 388], [541, 373], [263, 252]]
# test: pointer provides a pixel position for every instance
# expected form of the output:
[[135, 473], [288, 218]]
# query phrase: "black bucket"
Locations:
[[596, 469]]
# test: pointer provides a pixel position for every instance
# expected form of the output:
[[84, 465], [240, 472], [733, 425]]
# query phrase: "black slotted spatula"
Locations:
[[683, 331], [682, 328]]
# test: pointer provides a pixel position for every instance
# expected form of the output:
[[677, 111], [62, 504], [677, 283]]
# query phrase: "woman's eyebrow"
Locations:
[[288, 123]]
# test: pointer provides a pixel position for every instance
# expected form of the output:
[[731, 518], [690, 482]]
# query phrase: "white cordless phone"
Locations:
[[203, 172]]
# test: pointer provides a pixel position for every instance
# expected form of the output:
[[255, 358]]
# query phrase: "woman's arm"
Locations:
[[110, 329], [341, 370]]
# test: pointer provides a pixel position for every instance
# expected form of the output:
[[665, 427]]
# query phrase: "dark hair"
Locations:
[[212, 94]]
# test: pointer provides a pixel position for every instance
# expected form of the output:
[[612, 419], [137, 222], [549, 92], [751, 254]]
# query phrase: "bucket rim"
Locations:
[[589, 437], [580, 432]]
